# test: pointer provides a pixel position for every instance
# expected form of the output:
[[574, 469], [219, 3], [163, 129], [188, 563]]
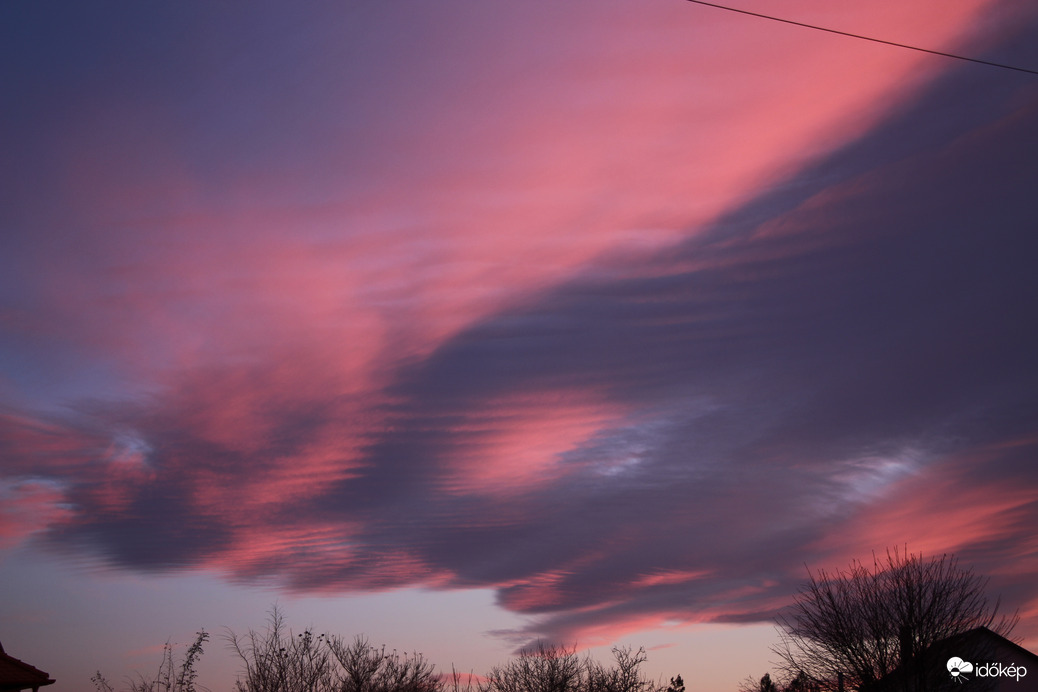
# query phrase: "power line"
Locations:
[[866, 38]]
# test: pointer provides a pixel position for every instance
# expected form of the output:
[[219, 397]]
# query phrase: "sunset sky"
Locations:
[[462, 324]]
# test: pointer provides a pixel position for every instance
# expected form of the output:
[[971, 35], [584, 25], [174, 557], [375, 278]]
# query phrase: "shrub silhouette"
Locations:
[[275, 659], [553, 668], [169, 678]]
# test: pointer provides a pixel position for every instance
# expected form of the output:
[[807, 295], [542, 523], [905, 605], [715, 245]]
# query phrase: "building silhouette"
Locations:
[[16, 675]]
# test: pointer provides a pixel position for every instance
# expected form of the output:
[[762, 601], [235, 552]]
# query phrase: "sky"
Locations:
[[462, 325]]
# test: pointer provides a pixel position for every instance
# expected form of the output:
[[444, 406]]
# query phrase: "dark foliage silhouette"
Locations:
[[764, 684]]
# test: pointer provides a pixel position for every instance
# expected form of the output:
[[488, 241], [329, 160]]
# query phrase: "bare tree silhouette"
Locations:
[[552, 668], [275, 661], [366, 668], [865, 623]]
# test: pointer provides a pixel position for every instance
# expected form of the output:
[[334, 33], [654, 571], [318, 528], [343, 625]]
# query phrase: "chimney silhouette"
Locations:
[[904, 637]]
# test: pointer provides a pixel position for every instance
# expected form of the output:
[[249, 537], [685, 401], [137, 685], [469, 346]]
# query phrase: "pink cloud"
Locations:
[[670, 576], [517, 443], [27, 508], [948, 507], [508, 195]]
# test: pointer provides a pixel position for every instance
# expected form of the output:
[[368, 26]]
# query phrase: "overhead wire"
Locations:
[[866, 38]]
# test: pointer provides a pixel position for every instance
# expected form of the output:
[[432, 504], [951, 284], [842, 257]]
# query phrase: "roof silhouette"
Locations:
[[978, 646], [19, 675]]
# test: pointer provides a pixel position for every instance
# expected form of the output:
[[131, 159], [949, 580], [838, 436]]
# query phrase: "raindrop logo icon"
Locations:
[[958, 668]]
